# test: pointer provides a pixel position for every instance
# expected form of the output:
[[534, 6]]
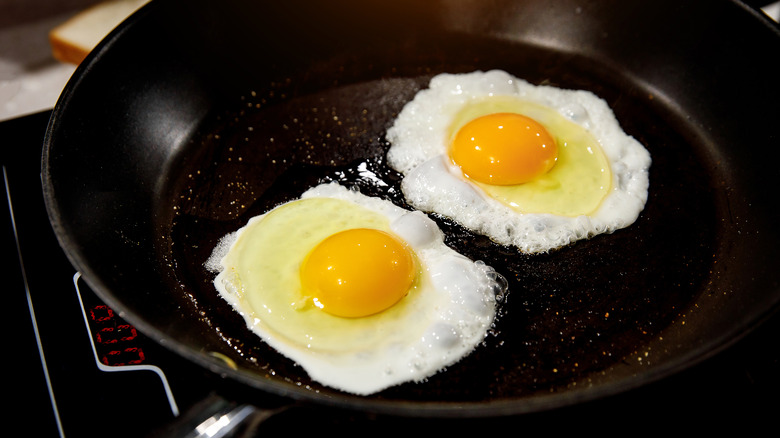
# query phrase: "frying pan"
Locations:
[[191, 117]]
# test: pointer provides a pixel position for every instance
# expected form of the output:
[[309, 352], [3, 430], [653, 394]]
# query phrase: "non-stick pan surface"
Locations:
[[194, 116]]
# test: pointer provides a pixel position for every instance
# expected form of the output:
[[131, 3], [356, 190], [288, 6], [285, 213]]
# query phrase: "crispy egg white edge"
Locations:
[[439, 347], [419, 151]]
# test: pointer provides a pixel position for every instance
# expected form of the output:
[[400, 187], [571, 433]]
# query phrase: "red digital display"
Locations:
[[115, 339]]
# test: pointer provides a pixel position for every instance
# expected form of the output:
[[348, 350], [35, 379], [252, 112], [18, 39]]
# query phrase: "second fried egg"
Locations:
[[535, 167], [359, 292]]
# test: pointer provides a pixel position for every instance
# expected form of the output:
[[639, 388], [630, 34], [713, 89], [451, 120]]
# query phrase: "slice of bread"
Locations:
[[72, 40]]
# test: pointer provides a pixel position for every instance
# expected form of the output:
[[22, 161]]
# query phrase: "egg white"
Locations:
[[443, 319], [419, 140]]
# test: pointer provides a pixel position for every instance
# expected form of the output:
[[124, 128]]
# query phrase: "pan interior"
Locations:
[[570, 314]]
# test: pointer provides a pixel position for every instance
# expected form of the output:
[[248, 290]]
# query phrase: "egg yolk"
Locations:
[[503, 149], [358, 272]]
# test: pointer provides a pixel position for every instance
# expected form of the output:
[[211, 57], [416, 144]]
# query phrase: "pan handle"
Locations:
[[216, 417]]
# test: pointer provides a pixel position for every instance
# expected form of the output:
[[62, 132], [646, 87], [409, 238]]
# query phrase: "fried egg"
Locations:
[[535, 167], [359, 292]]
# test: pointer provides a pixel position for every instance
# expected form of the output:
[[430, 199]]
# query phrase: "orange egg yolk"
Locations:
[[358, 272], [504, 149]]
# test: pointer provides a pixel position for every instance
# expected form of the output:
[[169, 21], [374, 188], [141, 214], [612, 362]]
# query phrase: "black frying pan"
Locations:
[[141, 176]]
